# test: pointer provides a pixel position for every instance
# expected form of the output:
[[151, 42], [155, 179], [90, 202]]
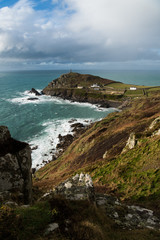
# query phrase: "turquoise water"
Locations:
[[40, 122]]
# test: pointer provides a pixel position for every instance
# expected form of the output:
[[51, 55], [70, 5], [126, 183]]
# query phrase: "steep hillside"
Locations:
[[133, 174]]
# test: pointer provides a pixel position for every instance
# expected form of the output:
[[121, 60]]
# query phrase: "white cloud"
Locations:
[[121, 21], [55, 1], [81, 31]]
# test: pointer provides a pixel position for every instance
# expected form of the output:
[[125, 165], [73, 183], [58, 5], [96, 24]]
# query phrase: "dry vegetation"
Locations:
[[78, 220], [121, 174]]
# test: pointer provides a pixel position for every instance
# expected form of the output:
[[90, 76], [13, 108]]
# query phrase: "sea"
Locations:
[[39, 122]]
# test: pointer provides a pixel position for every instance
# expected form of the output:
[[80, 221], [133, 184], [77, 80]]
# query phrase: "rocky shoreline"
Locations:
[[69, 95], [64, 141], [85, 88], [77, 127]]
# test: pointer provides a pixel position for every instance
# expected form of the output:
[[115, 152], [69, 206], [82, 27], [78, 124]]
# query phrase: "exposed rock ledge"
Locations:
[[15, 169], [80, 187]]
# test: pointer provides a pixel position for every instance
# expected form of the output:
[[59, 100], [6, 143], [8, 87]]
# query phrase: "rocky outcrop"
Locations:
[[32, 99], [64, 141], [155, 126], [154, 123], [77, 96], [15, 169], [125, 216], [79, 187], [78, 128], [33, 90], [131, 143]]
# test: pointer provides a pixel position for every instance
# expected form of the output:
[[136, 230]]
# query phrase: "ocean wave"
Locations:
[[44, 145], [30, 98]]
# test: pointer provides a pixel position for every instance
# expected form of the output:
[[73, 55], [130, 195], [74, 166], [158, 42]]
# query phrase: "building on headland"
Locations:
[[95, 86], [133, 88]]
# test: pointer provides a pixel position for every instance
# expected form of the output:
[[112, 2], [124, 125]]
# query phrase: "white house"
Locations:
[[95, 86], [133, 88]]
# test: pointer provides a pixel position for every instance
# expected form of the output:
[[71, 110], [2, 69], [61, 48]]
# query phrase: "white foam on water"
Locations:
[[45, 143], [26, 98]]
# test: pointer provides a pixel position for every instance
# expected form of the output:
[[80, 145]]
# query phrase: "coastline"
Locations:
[[57, 144], [100, 103], [86, 88], [49, 117], [63, 89]]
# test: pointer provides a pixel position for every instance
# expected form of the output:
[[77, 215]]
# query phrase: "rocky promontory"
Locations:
[[15, 169], [83, 88]]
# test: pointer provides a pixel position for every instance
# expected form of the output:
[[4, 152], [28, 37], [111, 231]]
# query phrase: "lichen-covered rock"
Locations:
[[154, 123], [15, 169], [130, 217], [79, 187], [155, 127], [131, 143]]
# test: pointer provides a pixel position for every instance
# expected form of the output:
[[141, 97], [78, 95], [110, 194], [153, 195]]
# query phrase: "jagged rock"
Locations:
[[15, 169], [32, 99], [156, 126], [33, 90], [77, 126], [157, 132], [105, 154], [131, 143], [65, 141], [153, 124], [79, 187], [72, 120], [130, 217]]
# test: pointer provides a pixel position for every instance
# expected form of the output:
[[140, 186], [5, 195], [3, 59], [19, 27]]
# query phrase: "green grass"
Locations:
[[83, 221], [125, 86], [24, 223], [133, 174]]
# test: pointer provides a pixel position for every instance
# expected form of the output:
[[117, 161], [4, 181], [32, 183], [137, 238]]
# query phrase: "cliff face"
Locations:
[[15, 169], [80, 87]]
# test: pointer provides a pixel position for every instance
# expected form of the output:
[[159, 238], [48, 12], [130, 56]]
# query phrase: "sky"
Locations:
[[79, 34]]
